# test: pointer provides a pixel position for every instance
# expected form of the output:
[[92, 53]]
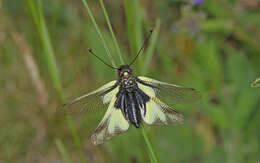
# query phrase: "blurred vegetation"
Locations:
[[208, 45]]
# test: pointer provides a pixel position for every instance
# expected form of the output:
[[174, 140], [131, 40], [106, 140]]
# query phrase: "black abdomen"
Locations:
[[131, 100], [133, 110]]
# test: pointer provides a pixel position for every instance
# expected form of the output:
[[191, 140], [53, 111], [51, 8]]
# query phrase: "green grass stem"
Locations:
[[112, 33], [99, 32], [62, 150], [134, 28], [149, 146], [51, 64], [47, 47]]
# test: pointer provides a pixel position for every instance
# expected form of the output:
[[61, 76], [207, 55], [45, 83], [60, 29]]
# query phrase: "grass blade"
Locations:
[[134, 27], [149, 147], [134, 30], [51, 64], [99, 32], [62, 150], [112, 32], [47, 47]]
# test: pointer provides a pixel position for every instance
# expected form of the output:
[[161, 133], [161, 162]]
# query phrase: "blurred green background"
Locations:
[[212, 46]]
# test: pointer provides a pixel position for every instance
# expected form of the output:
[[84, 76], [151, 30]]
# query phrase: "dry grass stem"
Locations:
[[24, 47]]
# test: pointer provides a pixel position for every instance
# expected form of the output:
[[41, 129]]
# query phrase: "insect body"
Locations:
[[134, 100], [130, 99]]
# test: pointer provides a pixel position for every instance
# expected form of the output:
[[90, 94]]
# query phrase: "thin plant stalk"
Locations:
[[49, 57], [62, 150], [147, 59], [99, 32], [134, 28], [149, 146], [51, 64], [112, 32]]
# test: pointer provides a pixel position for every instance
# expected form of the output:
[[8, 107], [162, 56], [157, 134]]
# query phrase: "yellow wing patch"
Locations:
[[157, 112], [108, 97], [148, 90], [153, 114], [148, 79], [111, 125], [155, 81]]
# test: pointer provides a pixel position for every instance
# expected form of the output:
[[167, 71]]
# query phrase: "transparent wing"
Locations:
[[159, 113], [169, 93], [97, 99], [112, 124]]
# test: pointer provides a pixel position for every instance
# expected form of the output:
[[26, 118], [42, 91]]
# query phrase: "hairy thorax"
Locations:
[[128, 83]]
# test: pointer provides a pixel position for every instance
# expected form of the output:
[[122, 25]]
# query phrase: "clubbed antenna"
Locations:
[[142, 47]]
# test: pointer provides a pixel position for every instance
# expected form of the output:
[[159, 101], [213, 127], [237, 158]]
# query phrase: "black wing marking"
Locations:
[[94, 100], [170, 93]]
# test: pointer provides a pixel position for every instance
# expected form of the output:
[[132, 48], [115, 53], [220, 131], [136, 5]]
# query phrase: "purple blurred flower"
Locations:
[[197, 2]]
